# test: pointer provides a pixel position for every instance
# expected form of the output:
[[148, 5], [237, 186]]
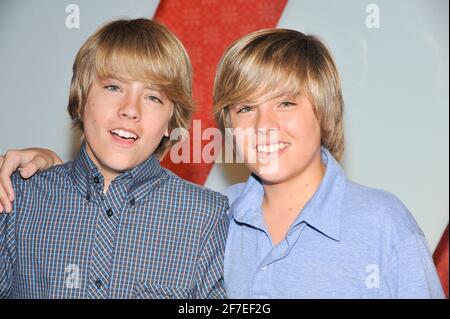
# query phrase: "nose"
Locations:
[[266, 122], [130, 107]]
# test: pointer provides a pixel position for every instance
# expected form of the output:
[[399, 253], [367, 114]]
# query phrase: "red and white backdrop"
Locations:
[[392, 57], [206, 28]]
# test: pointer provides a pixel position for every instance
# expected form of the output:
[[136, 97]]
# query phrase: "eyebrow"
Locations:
[[285, 94], [152, 88], [147, 87], [278, 96], [159, 91]]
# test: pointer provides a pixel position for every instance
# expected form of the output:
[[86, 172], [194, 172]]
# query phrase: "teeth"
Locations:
[[124, 134], [272, 147]]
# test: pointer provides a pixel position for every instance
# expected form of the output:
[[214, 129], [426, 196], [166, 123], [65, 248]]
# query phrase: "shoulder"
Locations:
[[204, 208], [55, 177], [233, 192], [381, 225], [194, 195], [379, 210]]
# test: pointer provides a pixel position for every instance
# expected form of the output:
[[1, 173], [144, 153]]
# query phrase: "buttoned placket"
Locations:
[[109, 210], [125, 192], [262, 281]]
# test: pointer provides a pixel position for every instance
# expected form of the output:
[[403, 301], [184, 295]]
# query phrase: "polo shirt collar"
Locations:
[[322, 212]]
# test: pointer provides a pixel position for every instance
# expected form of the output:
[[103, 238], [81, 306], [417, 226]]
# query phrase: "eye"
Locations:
[[244, 109], [154, 99], [112, 88], [286, 104]]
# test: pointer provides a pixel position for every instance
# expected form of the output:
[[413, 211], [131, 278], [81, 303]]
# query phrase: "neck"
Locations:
[[108, 176], [290, 196]]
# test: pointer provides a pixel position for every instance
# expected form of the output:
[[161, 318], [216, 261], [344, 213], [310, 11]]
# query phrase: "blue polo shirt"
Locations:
[[349, 241]]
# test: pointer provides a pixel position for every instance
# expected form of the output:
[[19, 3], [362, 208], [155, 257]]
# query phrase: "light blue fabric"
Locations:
[[349, 241]]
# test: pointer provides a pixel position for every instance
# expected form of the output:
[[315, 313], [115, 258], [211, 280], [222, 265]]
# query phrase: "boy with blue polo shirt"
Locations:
[[299, 228]]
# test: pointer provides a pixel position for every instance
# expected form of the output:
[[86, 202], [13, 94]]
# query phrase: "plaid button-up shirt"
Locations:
[[152, 235]]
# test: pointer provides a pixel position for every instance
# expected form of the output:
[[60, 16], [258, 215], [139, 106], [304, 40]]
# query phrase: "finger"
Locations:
[[11, 162], [5, 183], [38, 163], [29, 169], [4, 201], [1, 209], [6, 189]]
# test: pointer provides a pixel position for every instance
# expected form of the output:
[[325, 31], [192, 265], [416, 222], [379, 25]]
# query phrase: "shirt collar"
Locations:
[[139, 180], [322, 212]]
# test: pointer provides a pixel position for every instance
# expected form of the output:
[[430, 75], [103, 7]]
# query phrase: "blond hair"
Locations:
[[280, 61], [141, 50]]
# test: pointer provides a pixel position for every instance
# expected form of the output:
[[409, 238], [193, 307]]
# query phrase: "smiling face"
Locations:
[[287, 138], [124, 122], [271, 61]]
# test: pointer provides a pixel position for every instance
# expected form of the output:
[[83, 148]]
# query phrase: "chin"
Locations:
[[269, 175], [272, 179]]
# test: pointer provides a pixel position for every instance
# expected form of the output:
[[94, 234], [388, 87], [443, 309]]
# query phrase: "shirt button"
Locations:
[[264, 268], [98, 283], [88, 197], [109, 212], [96, 180], [132, 202]]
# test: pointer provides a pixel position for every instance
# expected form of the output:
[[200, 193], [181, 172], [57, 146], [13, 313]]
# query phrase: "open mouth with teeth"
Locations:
[[124, 134], [271, 148]]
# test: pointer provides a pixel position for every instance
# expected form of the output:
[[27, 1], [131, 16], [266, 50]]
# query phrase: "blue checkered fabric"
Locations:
[[152, 235]]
